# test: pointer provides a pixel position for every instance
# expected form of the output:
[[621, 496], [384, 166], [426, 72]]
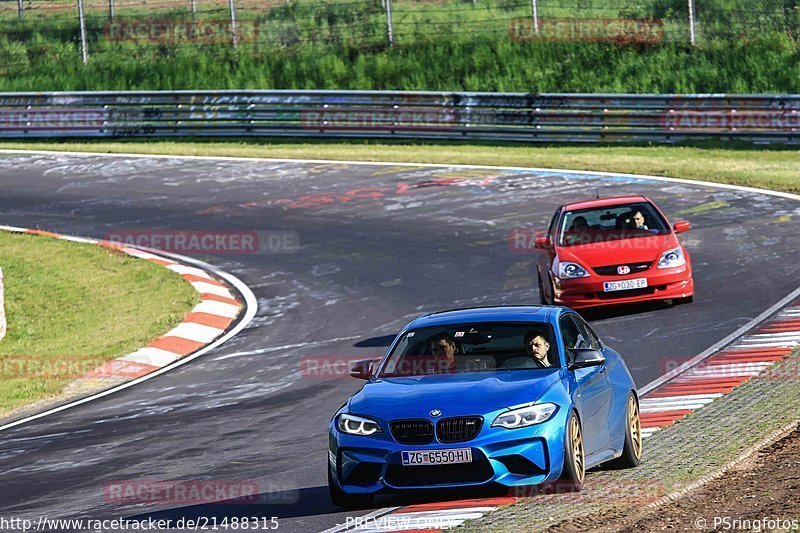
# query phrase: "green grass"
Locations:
[[446, 45], [766, 167], [70, 307]]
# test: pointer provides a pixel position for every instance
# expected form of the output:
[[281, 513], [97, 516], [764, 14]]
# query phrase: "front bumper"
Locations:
[[588, 292], [511, 458]]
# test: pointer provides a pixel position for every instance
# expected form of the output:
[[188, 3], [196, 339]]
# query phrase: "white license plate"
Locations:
[[437, 457], [625, 284]]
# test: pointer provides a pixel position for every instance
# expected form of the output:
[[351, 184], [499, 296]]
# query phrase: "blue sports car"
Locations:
[[511, 396]]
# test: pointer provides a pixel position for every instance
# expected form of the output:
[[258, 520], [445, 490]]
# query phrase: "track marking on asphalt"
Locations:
[[647, 388], [618, 175], [285, 347]]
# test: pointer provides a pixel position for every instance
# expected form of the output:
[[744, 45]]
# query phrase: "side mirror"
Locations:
[[681, 226], [363, 369], [586, 357], [542, 243]]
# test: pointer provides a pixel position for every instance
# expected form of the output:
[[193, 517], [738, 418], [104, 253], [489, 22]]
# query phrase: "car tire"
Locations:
[[344, 500], [542, 295], [632, 449], [574, 469]]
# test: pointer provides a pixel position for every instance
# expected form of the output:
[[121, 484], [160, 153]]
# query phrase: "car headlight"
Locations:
[[525, 416], [356, 425], [571, 270], [672, 258]]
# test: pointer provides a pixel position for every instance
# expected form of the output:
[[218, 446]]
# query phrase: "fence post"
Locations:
[[535, 13], [84, 51], [111, 10], [389, 25], [194, 9], [19, 8], [692, 35], [234, 33]]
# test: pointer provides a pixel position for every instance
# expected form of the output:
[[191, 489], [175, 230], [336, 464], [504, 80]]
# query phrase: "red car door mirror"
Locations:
[[682, 226]]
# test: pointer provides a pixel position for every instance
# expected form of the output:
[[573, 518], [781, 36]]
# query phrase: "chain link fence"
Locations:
[[123, 26]]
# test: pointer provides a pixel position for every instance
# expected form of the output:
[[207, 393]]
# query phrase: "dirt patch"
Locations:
[[762, 494]]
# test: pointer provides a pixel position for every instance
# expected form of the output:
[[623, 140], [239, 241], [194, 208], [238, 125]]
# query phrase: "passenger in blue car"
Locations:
[[537, 347]]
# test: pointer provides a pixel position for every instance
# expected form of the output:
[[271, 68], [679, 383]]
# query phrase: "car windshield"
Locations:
[[599, 224], [480, 347]]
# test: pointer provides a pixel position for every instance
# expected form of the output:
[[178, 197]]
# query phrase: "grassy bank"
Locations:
[[443, 45], [766, 167], [70, 307]]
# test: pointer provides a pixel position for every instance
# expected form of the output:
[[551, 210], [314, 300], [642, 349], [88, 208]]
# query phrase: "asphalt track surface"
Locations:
[[379, 245]]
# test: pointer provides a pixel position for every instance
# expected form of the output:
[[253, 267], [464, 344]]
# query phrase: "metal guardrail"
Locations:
[[410, 115]]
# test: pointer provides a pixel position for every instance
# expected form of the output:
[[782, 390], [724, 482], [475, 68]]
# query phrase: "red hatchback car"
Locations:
[[613, 251]]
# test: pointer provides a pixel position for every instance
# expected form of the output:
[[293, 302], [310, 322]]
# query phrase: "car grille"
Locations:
[[412, 431], [612, 269], [460, 429], [409, 476]]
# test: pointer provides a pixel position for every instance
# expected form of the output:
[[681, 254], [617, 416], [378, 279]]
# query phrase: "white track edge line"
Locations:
[[641, 391], [720, 344], [251, 307], [780, 194]]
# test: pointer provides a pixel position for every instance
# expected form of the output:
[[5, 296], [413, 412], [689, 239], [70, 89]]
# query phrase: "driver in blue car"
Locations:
[[443, 348]]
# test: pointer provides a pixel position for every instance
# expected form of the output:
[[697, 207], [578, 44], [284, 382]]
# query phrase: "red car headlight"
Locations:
[[672, 258]]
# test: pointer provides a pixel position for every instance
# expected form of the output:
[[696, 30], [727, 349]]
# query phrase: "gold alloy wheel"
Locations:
[[635, 426], [577, 448]]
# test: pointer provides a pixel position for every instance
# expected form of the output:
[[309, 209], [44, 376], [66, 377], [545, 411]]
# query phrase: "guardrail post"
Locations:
[[389, 25], [234, 33], [535, 13], [111, 10], [194, 9], [692, 35], [84, 51], [19, 8]]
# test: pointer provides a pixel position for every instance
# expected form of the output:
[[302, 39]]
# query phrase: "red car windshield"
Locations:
[[600, 224]]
